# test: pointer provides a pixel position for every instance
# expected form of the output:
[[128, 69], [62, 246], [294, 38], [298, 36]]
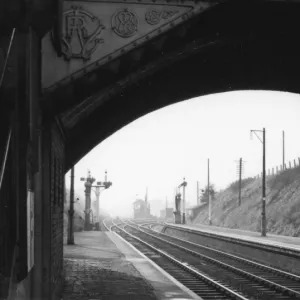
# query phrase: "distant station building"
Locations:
[[141, 209], [167, 215], [162, 214]]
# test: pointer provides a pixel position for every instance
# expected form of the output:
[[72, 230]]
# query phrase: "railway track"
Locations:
[[197, 282], [251, 279], [108, 223], [248, 265]]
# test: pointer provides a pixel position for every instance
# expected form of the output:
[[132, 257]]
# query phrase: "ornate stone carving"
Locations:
[[80, 34], [125, 23], [154, 16]]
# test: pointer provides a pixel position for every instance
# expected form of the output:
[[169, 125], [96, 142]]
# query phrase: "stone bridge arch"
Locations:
[[226, 47]]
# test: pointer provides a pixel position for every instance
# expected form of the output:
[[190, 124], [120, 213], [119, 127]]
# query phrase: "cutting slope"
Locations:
[[282, 205]]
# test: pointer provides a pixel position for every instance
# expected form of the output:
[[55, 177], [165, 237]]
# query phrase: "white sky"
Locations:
[[161, 148]]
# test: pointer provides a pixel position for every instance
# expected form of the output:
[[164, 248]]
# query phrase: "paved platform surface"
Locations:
[[270, 239], [103, 266]]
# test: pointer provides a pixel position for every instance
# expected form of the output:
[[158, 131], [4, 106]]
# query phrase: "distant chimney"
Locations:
[[146, 196]]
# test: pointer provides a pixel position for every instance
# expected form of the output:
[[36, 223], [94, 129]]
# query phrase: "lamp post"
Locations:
[[70, 240], [263, 211]]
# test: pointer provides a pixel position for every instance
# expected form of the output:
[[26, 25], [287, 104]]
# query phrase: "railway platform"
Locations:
[[101, 265], [280, 241]]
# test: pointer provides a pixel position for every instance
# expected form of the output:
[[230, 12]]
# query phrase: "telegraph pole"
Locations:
[[105, 185], [240, 174], [208, 191], [198, 197], [183, 202], [263, 214], [71, 211], [183, 185], [263, 210], [283, 158], [240, 182]]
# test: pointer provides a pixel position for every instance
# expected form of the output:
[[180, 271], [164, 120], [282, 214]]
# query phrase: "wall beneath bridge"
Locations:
[[31, 232], [49, 207]]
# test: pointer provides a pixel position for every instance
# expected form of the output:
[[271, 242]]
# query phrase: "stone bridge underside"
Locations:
[[121, 60]]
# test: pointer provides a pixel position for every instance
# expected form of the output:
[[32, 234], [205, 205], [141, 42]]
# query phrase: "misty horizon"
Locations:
[[161, 148]]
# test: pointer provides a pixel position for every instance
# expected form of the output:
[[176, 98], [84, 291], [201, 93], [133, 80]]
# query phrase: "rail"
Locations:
[[7, 203], [7, 57], [5, 157], [105, 225]]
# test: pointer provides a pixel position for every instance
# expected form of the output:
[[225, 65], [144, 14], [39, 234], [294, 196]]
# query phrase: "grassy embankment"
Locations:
[[282, 205]]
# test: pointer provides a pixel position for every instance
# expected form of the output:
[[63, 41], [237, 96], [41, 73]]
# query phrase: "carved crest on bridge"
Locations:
[[124, 23], [96, 32], [81, 33], [154, 16]]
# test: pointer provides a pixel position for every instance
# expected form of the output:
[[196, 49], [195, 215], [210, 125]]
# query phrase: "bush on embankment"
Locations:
[[78, 214], [78, 221], [282, 205]]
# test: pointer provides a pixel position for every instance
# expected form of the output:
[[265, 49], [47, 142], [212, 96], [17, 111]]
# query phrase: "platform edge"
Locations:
[[171, 278]]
